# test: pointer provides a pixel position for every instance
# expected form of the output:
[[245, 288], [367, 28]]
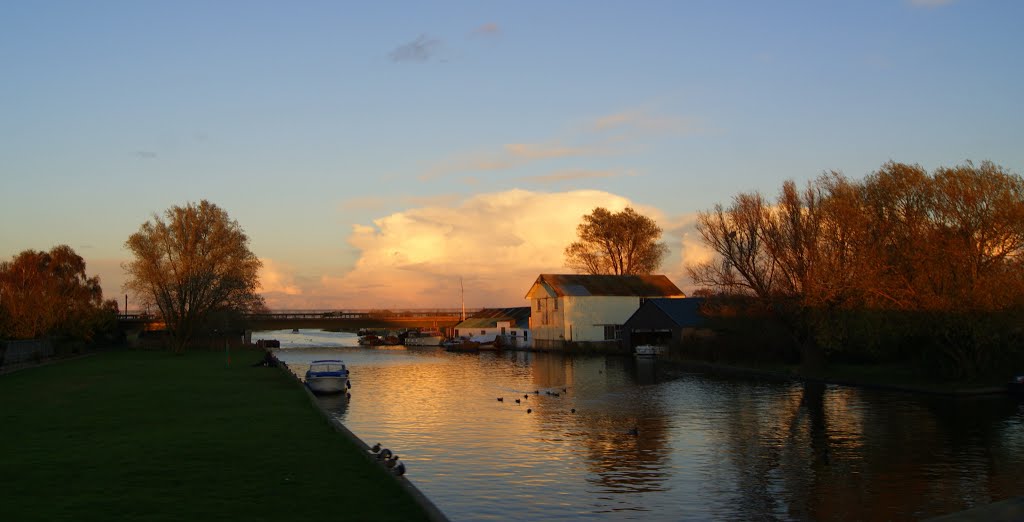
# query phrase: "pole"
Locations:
[[125, 304]]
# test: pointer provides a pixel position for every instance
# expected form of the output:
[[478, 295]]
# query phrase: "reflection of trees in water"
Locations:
[[821, 452], [623, 462]]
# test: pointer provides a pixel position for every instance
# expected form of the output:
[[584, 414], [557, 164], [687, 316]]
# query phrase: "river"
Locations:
[[603, 438]]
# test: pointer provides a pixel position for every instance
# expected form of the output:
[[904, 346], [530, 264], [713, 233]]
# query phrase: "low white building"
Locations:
[[512, 325], [590, 309]]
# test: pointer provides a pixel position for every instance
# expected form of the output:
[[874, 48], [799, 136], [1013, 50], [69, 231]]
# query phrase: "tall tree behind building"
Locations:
[[622, 243], [192, 264], [49, 293]]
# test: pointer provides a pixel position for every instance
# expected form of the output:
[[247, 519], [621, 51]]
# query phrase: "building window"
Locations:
[[556, 304], [538, 305], [612, 332]]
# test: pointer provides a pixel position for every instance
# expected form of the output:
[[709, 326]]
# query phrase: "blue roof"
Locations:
[[683, 312]]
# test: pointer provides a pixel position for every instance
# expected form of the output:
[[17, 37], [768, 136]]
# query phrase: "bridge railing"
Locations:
[[331, 314]]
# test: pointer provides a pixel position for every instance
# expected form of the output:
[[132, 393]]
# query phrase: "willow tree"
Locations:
[[191, 264], [49, 293], [622, 243]]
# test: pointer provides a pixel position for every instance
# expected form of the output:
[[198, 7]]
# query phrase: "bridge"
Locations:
[[346, 320]]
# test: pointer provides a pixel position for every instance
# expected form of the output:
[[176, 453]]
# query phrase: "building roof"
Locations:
[[606, 285], [490, 317], [683, 312]]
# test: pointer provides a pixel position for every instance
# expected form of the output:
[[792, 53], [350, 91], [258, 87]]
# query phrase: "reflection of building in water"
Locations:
[[618, 461]]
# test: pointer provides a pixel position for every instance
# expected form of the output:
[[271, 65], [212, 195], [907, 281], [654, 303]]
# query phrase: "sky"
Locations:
[[422, 154]]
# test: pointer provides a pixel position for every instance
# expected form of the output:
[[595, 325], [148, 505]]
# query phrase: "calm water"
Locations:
[[706, 447]]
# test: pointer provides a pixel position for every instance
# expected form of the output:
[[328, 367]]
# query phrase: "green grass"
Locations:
[[156, 436]]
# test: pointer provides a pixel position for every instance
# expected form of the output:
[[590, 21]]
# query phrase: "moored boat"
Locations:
[[423, 339], [327, 376], [648, 350]]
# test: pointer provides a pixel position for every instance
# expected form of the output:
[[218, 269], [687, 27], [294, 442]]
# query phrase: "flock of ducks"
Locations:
[[526, 396], [396, 466], [388, 459], [634, 431]]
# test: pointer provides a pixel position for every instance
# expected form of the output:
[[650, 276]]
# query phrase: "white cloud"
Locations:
[[277, 278], [496, 242]]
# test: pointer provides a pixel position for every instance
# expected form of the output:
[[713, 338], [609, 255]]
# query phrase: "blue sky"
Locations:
[[376, 152]]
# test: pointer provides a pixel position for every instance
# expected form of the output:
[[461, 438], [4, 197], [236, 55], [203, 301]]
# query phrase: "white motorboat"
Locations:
[[327, 376], [648, 350]]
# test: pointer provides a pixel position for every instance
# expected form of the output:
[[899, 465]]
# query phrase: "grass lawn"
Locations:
[[156, 436]]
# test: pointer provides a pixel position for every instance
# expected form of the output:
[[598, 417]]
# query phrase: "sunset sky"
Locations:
[[376, 152]]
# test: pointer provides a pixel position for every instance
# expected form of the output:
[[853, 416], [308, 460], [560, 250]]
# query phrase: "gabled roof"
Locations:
[[490, 317], [683, 312], [605, 285]]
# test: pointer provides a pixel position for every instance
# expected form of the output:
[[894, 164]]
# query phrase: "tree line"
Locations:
[[49, 294], [902, 265], [193, 265]]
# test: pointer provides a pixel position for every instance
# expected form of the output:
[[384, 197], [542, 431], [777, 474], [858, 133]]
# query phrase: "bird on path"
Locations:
[[399, 468], [375, 449], [501, 399]]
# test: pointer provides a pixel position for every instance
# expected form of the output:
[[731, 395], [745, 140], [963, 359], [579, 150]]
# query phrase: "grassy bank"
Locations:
[[154, 436]]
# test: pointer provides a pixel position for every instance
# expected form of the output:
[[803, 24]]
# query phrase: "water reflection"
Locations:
[[704, 447]]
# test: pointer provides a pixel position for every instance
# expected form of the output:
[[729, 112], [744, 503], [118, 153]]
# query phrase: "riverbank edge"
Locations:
[[688, 365], [432, 511]]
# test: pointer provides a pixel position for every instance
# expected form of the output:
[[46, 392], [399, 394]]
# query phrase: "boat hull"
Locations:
[[429, 340], [327, 385], [327, 376]]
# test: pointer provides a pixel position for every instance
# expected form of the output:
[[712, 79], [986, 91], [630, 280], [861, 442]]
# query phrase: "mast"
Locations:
[[462, 292]]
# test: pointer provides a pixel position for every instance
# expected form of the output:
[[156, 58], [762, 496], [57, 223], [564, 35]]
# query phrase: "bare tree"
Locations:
[[194, 262], [942, 256], [622, 243]]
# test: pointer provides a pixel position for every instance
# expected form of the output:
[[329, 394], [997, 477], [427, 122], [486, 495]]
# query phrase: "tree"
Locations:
[[193, 264], [623, 243], [49, 293], [937, 258]]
